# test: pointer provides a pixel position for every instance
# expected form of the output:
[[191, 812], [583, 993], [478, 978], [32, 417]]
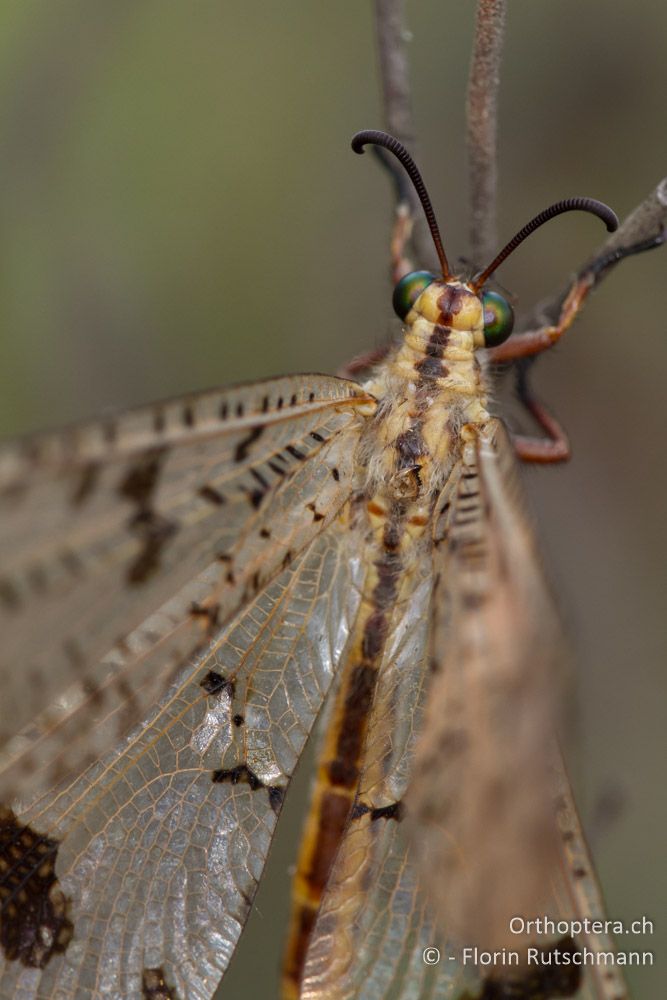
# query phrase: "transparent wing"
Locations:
[[397, 891], [191, 506], [160, 845], [373, 925], [479, 766], [490, 812]]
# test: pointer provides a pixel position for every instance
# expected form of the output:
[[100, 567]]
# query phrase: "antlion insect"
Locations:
[[206, 569]]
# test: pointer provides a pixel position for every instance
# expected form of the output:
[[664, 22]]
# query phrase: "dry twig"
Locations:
[[482, 127]]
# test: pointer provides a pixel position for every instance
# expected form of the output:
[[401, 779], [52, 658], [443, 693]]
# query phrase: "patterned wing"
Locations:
[[126, 544], [491, 816], [397, 889], [373, 925], [158, 847]]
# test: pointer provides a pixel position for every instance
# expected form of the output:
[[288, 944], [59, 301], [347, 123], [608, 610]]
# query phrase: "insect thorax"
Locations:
[[431, 386]]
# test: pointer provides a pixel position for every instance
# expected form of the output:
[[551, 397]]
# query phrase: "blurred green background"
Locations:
[[179, 208]]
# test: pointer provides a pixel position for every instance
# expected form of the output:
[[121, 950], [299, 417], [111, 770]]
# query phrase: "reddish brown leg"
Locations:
[[523, 345], [553, 448]]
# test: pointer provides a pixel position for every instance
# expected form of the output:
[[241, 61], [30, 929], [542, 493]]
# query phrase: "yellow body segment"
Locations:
[[429, 390]]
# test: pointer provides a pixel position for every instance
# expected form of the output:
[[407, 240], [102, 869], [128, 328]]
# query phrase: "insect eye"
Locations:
[[408, 290], [498, 318]]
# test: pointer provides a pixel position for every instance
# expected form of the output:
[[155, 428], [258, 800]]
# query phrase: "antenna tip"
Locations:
[[359, 140]]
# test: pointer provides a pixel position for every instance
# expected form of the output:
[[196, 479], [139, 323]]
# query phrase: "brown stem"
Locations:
[[482, 119], [392, 35]]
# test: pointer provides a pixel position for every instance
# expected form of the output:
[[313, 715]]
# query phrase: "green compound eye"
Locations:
[[498, 318], [408, 290]]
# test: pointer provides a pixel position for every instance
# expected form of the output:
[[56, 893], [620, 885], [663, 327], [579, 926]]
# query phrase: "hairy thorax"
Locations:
[[431, 387]]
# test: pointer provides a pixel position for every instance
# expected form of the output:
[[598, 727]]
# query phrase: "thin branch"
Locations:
[[392, 35], [482, 121], [394, 70], [643, 228]]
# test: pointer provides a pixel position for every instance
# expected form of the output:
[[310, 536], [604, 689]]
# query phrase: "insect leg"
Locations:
[[555, 446], [523, 345]]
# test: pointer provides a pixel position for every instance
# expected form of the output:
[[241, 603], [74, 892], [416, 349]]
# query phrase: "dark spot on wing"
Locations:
[[213, 496], [242, 448], [255, 497], [188, 415], [264, 533], [243, 774], [238, 720], [93, 691], [154, 986], [139, 482], [336, 474], [394, 811], [276, 797], [316, 514], [295, 453], [259, 478], [317, 437], [236, 776], [35, 921], [85, 484], [209, 612], [154, 531], [214, 683]]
